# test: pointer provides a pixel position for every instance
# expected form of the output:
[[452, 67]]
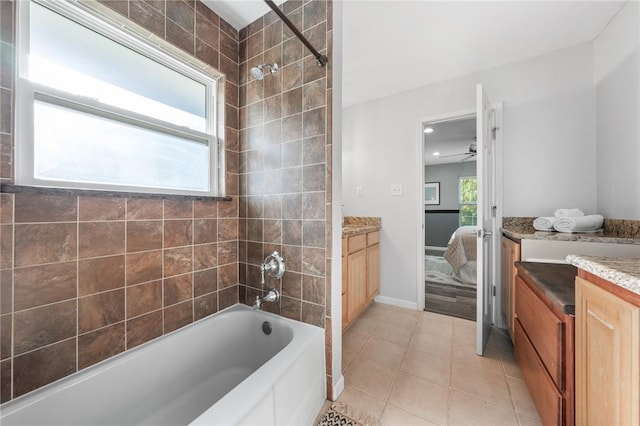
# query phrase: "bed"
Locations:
[[458, 264]]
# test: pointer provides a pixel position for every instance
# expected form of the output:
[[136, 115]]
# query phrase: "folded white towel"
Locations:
[[568, 213], [544, 223], [579, 224]]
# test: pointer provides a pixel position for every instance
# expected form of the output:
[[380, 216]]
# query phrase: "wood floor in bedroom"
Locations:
[[451, 300]]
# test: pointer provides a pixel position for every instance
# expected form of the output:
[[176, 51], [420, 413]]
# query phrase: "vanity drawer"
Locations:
[[373, 238], [543, 328], [357, 242]]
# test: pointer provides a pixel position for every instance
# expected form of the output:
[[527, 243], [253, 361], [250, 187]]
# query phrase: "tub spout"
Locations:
[[272, 296]]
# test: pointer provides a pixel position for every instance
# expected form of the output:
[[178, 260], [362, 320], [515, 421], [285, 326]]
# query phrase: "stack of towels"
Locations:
[[569, 220]]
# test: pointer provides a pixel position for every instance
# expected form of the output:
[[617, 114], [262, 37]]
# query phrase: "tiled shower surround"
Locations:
[[84, 277]]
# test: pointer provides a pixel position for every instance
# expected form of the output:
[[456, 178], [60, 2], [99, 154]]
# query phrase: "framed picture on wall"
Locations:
[[432, 193]]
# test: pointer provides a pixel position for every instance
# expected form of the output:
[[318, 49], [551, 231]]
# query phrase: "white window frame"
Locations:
[[460, 203], [123, 32]]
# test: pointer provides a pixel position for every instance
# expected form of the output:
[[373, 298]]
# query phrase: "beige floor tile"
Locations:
[[489, 361], [431, 343], [347, 359], [525, 420], [364, 326], [436, 369], [370, 377], [404, 320], [433, 317], [500, 341], [403, 310], [392, 333], [420, 397], [383, 352], [490, 386], [375, 311], [361, 401], [522, 398], [510, 365], [394, 416], [428, 324], [353, 340], [466, 410], [464, 334]]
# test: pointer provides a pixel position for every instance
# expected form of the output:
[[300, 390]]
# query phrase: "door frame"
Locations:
[[449, 116]]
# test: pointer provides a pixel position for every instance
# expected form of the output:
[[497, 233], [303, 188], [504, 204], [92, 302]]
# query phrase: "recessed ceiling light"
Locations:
[[428, 129], [435, 154]]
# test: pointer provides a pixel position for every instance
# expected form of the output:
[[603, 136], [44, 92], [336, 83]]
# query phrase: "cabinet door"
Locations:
[[607, 357], [357, 279], [345, 280], [510, 254], [373, 271]]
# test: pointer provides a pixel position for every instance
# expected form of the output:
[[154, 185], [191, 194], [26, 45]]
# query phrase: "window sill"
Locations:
[[19, 189]]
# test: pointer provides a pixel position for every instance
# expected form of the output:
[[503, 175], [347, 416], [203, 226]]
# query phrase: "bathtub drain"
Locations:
[[266, 327]]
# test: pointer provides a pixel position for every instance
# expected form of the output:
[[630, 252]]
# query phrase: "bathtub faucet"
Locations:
[[272, 296]]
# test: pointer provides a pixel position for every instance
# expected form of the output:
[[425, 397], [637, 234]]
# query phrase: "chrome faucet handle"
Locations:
[[273, 265]]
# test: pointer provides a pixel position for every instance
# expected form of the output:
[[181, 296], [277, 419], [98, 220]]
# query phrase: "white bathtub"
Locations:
[[220, 370]]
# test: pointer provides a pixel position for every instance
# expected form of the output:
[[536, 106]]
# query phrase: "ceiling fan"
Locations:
[[471, 152]]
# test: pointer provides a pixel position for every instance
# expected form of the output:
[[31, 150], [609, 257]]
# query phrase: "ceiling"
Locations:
[[394, 46], [449, 138]]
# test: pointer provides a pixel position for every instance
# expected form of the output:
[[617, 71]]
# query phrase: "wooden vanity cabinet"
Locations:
[[510, 254], [607, 353], [360, 274]]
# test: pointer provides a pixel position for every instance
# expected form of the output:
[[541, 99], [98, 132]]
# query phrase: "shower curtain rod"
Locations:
[[322, 59]]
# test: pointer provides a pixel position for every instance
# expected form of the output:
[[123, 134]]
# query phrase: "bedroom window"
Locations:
[[101, 107], [468, 200]]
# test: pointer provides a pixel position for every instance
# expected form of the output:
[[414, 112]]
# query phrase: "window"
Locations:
[[100, 107], [468, 199]]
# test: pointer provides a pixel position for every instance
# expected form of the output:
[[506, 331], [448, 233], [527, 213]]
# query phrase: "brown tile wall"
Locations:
[[285, 162], [84, 278]]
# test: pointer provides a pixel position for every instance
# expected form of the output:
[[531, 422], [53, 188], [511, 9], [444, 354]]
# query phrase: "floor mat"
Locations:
[[339, 414]]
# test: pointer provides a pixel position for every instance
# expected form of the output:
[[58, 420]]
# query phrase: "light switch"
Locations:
[[359, 191], [396, 189]]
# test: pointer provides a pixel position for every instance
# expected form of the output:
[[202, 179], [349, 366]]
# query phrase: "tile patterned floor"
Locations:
[[408, 367]]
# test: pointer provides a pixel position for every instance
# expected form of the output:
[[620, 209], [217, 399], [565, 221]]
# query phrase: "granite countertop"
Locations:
[[555, 281], [356, 225], [623, 272], [614, 231]]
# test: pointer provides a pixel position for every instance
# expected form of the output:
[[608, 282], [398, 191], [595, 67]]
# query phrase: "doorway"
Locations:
[[450, 208]]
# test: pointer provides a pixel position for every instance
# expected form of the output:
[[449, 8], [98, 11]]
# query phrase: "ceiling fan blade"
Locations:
[[467, 157], [454, 155]]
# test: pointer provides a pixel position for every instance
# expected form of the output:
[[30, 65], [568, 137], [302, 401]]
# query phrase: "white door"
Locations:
[[485, 146]]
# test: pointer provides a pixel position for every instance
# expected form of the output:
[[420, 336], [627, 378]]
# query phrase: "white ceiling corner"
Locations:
[[239, 13]]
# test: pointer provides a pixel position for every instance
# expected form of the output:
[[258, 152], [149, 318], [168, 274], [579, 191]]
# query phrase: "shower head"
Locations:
[[258, 72]]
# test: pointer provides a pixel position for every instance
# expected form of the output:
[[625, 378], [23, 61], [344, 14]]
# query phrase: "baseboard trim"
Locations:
[[338, 387], [396, 302]]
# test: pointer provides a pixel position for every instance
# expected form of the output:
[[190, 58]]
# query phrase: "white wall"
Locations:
[[617, 74], [549, 138], [448, 175]]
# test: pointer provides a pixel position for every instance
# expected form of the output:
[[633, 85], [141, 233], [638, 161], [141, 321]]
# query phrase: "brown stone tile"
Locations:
[[313, 233], [228, 29], [144, 235], [6, 246], [6, 122], [144, 328], [147, 16], [207, 13], [313, 150], [313, 289], [178, 289], [5, 381], [6, 324], [293, 256], [207, 54], [177, 261], [143, 267], [292, 128], [181, 13], [119, 6], [45, 208], [100, 274], [314, 95], [227, 275], [292, 73], [273, 84], [100, 344], [144, 298], [292, 154], [178, 209], [6, 291], [227, 229], [317, 36], [273, 231], [311, 71], [160, 5], [178, 316], [314, 178], [292, 206], [229, 47], [230, 68], [205, 305], [205, 209], [292, 232], [44, 243], [313, 314], [180, 37], [255, 44], [178, 233], [272, 206], [313, 205], [205, 281], [273, 108], [272, 158], [205, 256], [100, 310], [293, 11], [230, 112], [38, 327], [227, 252], [291, 308], [254, 229], [292, 285], [292, 102], [44, 284], [313, 262], [38, 368], [101, 238], [314, 122], [273, 35], [227, 297], [142, 208], [231, 93], [207, 31], [101, 208], [6, 208], [254, 253], [292, 180], [205, 231]]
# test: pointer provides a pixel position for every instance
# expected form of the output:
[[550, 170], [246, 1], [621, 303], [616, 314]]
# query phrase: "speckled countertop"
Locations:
[[355, 225], [621, 271], [614, 231]]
